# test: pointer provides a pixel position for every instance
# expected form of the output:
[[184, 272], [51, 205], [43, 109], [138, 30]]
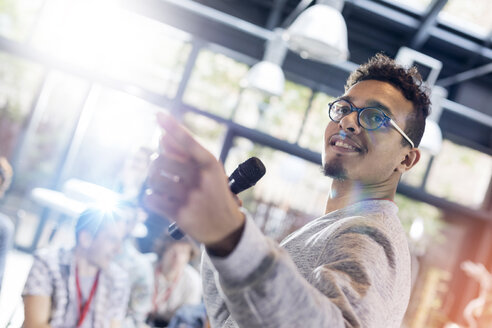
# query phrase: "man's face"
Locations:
[[370, 157], [106, 244], [176, 257]]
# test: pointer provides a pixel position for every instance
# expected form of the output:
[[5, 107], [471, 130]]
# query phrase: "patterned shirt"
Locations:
[[53, 274], [141, 280], [170, 296]]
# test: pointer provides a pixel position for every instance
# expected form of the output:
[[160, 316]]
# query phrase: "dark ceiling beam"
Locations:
[[466, 75], [303, 4], [378, 12], [462, 44], [275, 14], [393, 19], [428, 21]]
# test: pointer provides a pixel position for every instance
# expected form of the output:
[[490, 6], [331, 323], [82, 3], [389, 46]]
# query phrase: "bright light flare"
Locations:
[[90, 32], [417, 229]]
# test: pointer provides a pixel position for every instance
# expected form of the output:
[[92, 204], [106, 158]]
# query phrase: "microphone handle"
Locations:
[[173, 229]]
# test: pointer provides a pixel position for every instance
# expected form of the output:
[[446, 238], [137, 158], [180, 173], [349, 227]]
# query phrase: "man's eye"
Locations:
[[343, 110], [377, 118]]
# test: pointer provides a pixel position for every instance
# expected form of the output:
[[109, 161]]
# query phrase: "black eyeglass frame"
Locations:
[[385, 121]]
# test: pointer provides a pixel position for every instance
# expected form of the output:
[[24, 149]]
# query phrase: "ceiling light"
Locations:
[[320, 33], [267, 75], [432, 138]]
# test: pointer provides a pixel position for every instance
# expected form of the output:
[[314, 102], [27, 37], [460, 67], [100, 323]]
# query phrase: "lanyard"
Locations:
[[167, 293], [84, 308]]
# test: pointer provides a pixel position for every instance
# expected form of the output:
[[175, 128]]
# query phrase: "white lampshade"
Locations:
[[266, 77], [432, 138], [319, 33]]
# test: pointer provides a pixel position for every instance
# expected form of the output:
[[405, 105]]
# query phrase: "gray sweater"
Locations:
[[349, 268]]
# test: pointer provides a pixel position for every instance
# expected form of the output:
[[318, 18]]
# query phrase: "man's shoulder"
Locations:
[[377, 214]]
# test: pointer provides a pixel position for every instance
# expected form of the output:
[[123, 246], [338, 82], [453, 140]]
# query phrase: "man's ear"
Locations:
[[412, 157]]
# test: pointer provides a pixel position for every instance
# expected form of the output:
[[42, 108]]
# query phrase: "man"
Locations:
[[139, 269], [349, 268], [6, 226], [80, 287], [177, 283]]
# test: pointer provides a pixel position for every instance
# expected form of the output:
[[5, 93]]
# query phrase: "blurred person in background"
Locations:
[[347, 268], [138, 267], [478, 312], [177, 283], [80, 287], [6, 226]]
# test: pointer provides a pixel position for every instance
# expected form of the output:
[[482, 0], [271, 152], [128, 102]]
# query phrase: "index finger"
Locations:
[[180, 138]]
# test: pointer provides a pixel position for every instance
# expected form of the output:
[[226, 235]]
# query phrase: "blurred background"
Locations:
[[81, 82]]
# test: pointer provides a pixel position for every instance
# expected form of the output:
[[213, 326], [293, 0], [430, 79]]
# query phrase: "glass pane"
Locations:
[[208, 132], [117, 128], [103, 37], [473, 16], [432, 272], [415, 176], [54, 120], [422, 222], [18, 18], [19, 84], [148, 54], [214, 83], [317, 119], [77, 31], [280, 117], [428, 237], [460, 174], [292, 192]]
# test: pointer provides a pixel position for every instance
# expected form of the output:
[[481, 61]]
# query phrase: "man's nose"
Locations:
[[350, 123]]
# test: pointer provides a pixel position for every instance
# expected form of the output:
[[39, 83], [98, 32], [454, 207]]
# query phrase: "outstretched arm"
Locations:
[[189, 185], [261, 285]]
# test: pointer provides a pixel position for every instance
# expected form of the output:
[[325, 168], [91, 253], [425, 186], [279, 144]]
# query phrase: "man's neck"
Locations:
[[171, 273], [84, 266], [346, 192]]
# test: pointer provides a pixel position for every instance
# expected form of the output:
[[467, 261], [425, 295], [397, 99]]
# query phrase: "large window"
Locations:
[[101, 36], [214, 85], [281, 117], [115, 127], [50, 132], [292, 192], [312, 136], [415, 177], [20, 81], [472, 16], [18, 18], [208, 132], [460, 174]]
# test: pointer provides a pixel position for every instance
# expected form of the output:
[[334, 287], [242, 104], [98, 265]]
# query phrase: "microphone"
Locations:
[[246, 175]]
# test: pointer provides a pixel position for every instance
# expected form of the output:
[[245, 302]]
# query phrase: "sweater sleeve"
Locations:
[[262, 287]]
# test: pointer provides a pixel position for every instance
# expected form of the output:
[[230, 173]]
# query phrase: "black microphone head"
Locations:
[[247, 174]]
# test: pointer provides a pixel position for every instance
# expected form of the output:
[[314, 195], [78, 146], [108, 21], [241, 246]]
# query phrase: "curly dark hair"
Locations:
[[407, 80]]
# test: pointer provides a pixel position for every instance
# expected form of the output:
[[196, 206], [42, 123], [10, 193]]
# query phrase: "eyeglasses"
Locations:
[[370, 118]]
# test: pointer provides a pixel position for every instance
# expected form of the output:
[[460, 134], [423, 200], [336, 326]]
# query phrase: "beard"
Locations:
[[335, 170]]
